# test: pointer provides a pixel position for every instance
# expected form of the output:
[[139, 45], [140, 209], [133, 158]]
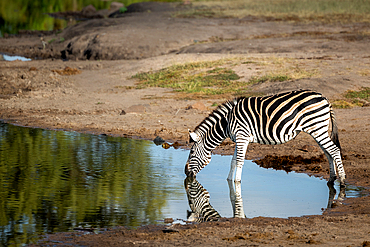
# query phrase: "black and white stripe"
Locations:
[[198, 198], [270, 120], [236, 199]]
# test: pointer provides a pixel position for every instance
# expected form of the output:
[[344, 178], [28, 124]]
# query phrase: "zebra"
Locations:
[[272, 120], [332, 202], [236, 199], [198, 198]]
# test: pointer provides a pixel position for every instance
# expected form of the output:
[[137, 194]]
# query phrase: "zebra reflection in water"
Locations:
[[332, 192], [203, 211]]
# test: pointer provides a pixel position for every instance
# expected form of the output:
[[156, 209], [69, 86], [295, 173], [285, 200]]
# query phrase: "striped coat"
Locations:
[[272, 120]]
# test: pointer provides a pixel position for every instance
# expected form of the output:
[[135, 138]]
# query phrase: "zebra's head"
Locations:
[[199, 156]]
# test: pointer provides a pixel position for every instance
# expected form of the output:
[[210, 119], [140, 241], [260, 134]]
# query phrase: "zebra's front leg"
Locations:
[[236, 199], [232, 167], [241, 149]]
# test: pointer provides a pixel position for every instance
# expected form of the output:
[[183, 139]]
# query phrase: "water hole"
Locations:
[[6, 57], [54, 181]]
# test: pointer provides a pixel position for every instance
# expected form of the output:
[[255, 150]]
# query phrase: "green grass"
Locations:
[[269, 77], [343, 104], [193, 78], [363, 94], [328, 11], [353, 99], [209, 78]]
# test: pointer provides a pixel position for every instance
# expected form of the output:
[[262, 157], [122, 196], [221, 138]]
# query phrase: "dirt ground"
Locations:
[[82, 84]]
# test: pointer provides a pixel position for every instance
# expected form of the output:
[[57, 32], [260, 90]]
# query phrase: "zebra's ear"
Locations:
[[193, 137]]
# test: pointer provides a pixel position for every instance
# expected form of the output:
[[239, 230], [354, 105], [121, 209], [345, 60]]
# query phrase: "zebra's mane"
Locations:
[[221, 110]]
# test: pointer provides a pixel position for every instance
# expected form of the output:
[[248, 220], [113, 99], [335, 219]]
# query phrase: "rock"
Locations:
[[168, 220], [158, 140], [114, 8], [89, 10], [165, 145], [176, 145], [102, 13], [116, 5], [123, 112]]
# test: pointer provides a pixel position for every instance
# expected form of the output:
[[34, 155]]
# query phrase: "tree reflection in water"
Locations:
[[53, 181]]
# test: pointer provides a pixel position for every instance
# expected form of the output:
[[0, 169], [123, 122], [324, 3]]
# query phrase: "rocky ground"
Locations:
[[84, 83]]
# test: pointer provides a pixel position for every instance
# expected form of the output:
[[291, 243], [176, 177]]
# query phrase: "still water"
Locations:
[[52, 181]]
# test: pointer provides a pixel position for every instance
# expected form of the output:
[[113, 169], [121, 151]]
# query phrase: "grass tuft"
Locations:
[[205, 79], [363, 94], [270, 77], [353, 99]]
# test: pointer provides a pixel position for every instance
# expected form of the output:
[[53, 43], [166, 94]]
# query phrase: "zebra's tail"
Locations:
[[334, 129]]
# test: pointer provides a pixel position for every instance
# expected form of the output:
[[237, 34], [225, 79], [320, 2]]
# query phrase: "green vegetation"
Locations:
[[122, 9], [209, 78], [353, 98], [363, 94], [286, 10], [31, 14], [199, 78], [270, 77], [343, 104]]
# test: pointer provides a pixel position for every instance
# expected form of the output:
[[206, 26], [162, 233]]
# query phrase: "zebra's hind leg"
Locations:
[[333, 171], [332, 152]]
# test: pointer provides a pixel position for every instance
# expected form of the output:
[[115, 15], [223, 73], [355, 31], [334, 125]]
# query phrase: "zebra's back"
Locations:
[[279, 118]]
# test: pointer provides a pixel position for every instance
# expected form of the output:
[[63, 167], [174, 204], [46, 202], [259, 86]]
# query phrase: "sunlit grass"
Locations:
[[343, 104], [327, 11], [353, 99], [363, 94], [200, 78], [210, 78]]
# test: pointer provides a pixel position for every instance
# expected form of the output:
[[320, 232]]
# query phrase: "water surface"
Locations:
[[52, 181], [13, 58]]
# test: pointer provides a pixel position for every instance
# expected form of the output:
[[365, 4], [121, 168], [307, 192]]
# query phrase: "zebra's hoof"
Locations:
[[342, 183]]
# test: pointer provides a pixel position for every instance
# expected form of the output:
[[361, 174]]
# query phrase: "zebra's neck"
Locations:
[[215, 128]]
